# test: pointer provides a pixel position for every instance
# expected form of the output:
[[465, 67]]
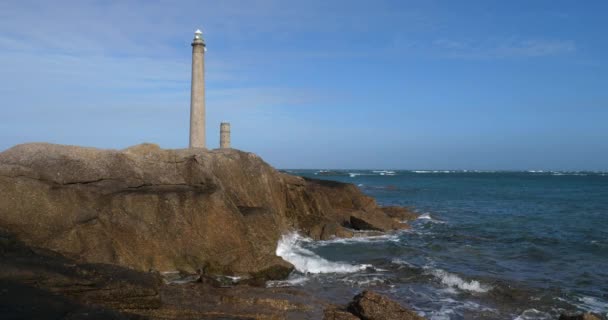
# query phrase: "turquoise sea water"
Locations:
[[488, 245]]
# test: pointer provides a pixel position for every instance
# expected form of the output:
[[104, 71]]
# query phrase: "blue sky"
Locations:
[[318, 84]]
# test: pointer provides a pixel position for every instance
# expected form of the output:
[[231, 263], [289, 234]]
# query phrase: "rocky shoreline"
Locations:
[[147, 233], [90, 231]]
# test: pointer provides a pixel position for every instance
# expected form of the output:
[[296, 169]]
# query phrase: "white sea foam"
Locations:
[[454, 281], [305, 261], [292, 281], [402, 262], [359, 237], [437, 171], [591, 304], [366, 280], [427, 217], [384, 172], [533, 314]]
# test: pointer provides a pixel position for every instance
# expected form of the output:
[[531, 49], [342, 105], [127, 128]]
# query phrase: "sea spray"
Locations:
[[454, 281], [305, 261]]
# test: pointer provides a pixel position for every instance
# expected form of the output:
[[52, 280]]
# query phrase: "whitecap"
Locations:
[[402, 262], [533, 314], [359, 237], [591, 304], [454, 281], [427, 217], [385, 172], [305, 261], [365, 281]]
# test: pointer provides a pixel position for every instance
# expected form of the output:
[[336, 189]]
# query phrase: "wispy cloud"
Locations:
[[503, 48]]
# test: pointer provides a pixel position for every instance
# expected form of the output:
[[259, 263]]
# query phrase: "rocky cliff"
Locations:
[[219, 212]]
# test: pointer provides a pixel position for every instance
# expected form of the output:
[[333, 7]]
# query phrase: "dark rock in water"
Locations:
[[579, 316], [222, 211], [336, 313], [330, 230], [400, 213], [369, 305], [375, 220]]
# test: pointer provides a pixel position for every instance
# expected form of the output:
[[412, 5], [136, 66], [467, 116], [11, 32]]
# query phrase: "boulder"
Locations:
[[336, 313], [210, 211], [578, 316], [369, 305]]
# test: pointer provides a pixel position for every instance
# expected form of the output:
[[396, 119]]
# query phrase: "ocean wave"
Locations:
[[401, 262], [427, 217], [454, 281], [292, 281], [305, 261], [356, 174], [437, 171], [367, 280], [385, 172], [533, 314], [359, 237], [591, 304]]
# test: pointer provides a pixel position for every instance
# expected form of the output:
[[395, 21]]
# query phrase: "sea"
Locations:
[[486, 245]]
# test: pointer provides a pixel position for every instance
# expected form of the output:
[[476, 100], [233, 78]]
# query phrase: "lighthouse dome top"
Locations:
[[197, 34]]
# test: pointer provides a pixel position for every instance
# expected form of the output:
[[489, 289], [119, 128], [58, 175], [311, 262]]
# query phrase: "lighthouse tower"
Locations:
[[197, 94], [225, 135]]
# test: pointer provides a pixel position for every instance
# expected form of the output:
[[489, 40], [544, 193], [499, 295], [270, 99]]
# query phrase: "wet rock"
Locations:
[[369, 305], [334, 230], [336, 313], [579, 316]]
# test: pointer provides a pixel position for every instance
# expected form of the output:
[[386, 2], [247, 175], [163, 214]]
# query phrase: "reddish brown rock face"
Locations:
[[220, 211]]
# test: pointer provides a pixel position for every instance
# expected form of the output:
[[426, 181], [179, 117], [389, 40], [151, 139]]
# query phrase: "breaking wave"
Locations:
[[293, 280], [454, 281], [305, 261], [427, 217]]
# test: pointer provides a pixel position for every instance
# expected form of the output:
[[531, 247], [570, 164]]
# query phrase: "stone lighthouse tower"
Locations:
[[197, 94], [224, 135]]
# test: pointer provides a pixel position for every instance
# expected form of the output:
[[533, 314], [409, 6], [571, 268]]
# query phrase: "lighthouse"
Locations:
[[197, 93]]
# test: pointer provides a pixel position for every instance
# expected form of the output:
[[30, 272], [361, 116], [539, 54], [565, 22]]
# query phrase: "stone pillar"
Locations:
[[225, 135], [197, 93]]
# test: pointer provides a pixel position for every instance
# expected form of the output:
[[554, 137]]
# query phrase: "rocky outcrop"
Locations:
[[369, 305], [40, 284], [336, 313], [214, 212], [579, 316]]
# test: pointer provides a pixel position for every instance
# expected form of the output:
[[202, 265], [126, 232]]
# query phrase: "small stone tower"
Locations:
[[197, 93], [224, 135]]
